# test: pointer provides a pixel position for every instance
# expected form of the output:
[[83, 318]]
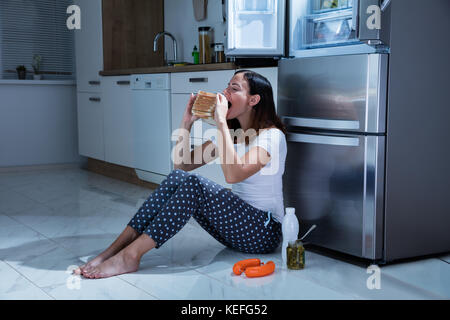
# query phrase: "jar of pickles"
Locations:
[[295, 253]]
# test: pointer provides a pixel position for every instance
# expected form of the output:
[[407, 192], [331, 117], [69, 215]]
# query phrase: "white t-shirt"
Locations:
[[264, 189]]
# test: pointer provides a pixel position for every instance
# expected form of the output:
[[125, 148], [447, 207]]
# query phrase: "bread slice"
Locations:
[[203, 114], [205, 102]]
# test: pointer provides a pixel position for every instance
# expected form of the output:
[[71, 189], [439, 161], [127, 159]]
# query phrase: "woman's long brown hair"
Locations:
[[265, 114]]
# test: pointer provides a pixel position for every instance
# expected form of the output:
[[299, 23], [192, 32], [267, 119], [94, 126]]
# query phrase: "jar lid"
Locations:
[[204, 28], [218, 46]]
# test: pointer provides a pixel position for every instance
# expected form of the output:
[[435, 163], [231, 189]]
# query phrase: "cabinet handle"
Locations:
[[95, 99], [123, 82], [198, 79], [94, 82]]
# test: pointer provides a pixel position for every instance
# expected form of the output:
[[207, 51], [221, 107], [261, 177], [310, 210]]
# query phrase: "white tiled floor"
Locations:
[[53, 219]]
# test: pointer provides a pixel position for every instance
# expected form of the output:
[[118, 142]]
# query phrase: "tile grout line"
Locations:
[[205, 274], [26, 278], [314, 283], [58, 245], [68, 251], [437, 296], [145, 291]]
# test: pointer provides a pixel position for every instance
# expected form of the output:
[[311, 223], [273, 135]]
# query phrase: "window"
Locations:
[[29, 27]]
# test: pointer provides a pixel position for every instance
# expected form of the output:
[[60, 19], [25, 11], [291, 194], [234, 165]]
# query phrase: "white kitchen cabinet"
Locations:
[[179, 102], [89, 46], [185, 83], [212, 81], [118, 120], [90, 125]]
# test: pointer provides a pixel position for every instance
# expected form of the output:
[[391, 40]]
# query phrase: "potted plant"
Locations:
[[21, 72], [36, 67]]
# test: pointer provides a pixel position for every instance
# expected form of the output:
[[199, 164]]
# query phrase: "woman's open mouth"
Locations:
[[229, 104]]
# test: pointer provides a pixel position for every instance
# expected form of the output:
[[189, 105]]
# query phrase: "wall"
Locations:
[[1, 65], [179, 20], [38, 123]]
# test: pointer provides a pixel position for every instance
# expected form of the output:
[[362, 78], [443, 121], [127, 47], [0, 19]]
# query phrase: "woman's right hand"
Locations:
[[188, 117]]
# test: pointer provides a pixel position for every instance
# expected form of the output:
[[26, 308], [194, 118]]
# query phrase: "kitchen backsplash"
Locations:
[[179, 20]]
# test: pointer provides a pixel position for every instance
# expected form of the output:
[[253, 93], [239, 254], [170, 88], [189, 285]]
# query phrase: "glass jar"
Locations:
[[219, 55], [204, 43], [295, 255]]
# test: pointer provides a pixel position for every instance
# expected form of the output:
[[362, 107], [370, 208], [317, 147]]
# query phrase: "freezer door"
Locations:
[[332, 27], [337, 183], [334, 93], [255, 28]]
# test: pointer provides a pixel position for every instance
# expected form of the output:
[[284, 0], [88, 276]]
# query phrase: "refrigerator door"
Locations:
[[345, 93], [336, 182], [255, 28], [320, 23], [337, 27], [373, 21]]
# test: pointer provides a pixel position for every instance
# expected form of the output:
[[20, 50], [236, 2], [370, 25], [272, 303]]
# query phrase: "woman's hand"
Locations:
[[220, 115], [188, 117]]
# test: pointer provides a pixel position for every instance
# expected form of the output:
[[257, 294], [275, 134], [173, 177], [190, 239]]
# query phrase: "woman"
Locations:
[[248, 218]]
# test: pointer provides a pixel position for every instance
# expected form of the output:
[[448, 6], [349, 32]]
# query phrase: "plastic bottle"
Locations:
[[196, 55], [290, 230]]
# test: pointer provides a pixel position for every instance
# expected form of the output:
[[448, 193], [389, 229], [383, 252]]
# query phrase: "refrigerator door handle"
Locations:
[[385, 4], [355, 11], [322, 123], [329, 140]]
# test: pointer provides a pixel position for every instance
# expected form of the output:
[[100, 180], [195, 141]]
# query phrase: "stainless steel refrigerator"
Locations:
[[366, 104]]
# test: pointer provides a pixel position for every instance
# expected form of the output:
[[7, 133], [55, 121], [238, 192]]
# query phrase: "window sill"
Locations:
[[38, 82]]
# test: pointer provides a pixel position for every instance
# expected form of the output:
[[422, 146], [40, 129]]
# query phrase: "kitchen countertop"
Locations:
[[170, 69]]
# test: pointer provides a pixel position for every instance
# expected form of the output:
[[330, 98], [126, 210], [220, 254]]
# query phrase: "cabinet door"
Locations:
[[89, 46], [212, 81], [118, 120], [90, 126]]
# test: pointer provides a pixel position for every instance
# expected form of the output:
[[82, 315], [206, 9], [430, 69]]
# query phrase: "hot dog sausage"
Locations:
[[260, 271], [240, 266]]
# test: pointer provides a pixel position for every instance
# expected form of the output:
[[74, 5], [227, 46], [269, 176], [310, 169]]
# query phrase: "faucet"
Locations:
[[155, 43]]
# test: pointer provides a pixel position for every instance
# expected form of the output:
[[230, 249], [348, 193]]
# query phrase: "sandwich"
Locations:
[[204, 105]]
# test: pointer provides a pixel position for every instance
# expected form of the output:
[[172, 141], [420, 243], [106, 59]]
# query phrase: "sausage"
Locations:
[[240, 266], [260, 271]]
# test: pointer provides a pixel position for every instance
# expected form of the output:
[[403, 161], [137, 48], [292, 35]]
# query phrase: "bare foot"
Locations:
[[125, 238], [92, 264], [121, 263]]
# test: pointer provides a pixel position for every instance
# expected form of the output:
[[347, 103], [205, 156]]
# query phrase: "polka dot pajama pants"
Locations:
[[224, 215]]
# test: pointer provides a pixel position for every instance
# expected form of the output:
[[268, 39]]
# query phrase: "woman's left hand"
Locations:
[[220, 114]]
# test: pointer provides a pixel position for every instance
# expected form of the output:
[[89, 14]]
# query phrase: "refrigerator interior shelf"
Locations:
[[333, 10], [343, 14], [321, 6], [256, 12], [341, 43]]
